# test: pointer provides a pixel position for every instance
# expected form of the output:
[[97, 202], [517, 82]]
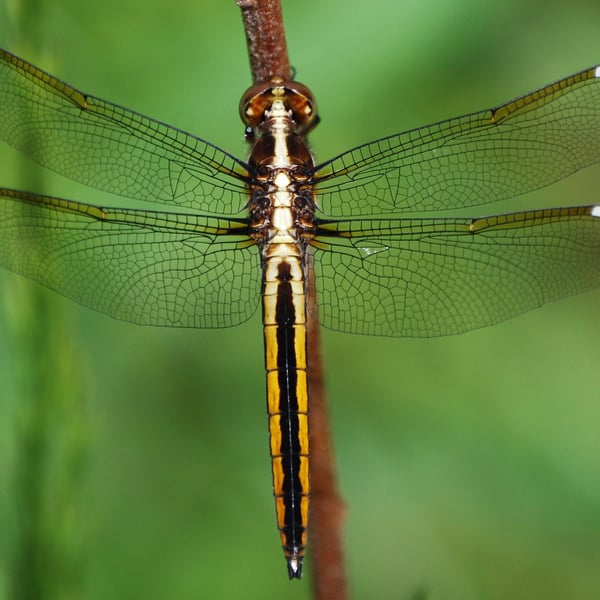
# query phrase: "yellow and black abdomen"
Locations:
[[284, 317]]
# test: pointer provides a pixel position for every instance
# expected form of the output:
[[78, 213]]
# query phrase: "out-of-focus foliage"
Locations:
[[469, 464]]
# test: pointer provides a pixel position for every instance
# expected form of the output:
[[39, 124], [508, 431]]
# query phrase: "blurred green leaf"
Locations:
[[469, 464]]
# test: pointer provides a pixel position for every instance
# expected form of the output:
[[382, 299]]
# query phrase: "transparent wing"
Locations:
[[146, 267], [113, 149], [476, 159], [433, 277]]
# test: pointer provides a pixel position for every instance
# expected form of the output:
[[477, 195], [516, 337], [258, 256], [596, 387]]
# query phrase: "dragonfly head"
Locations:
[[297, 98]]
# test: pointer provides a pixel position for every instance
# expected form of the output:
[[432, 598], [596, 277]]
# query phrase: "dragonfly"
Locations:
[[373, 226]]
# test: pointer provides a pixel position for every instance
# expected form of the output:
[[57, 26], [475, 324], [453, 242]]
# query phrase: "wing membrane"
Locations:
[[476, 159], [111, 148], [146, 267], [434, 277]]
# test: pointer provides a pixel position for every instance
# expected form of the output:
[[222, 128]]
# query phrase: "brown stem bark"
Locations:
[[327, 508], [265, 36], [267, 49]]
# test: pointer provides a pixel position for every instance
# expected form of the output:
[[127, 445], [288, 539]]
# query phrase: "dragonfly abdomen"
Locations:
[[287, 401]]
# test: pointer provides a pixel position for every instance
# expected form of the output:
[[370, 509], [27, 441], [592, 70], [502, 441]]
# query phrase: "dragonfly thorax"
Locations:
[[281, 207]]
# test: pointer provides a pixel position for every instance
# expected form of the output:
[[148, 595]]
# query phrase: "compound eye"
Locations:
[[254, 103], [297, 98], [251, 117]]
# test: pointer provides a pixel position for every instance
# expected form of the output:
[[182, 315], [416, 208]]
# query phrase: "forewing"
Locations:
[[111, 148], [472, 160]]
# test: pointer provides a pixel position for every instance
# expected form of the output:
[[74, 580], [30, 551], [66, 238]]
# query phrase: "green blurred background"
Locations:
[[470, 465]]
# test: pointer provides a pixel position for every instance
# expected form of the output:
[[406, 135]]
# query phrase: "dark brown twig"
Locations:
[[327, 508], [265, 37], [268, 57]]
